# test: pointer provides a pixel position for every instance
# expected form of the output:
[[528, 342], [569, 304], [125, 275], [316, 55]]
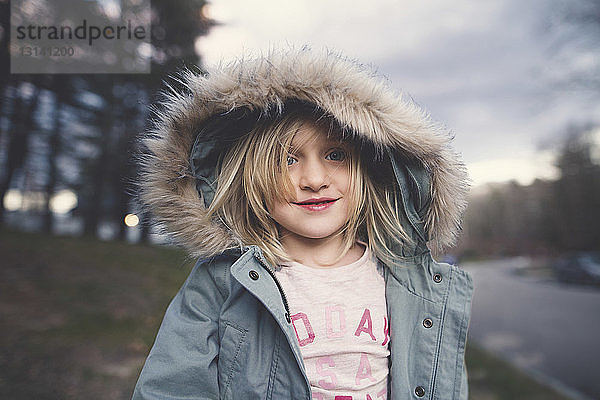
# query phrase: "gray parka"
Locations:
[[227, 333]]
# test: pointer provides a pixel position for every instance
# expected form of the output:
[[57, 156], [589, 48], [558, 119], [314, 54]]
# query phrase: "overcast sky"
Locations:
[[493, 71]]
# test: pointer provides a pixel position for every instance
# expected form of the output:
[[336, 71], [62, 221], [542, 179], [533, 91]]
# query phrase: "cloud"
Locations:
[[371, 31], [523, 168]]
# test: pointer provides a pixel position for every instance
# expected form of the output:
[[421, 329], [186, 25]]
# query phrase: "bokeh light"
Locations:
[[131, 220]]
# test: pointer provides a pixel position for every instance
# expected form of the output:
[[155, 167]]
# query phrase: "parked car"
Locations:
[[582, 267]]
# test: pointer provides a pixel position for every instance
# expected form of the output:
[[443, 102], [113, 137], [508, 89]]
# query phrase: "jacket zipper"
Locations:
[[285, 303], [281, 292]]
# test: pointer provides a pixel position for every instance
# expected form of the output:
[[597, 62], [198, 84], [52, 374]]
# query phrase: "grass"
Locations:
[[79, 315]]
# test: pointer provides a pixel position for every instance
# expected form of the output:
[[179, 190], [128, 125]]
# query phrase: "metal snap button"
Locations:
[[420, 391], [427, 323], [437, 278], [253, 275]]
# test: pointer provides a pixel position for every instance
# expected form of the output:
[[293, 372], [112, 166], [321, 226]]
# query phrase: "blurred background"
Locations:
[[83, 284]]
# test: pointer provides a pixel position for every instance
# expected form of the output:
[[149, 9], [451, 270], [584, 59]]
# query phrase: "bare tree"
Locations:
[[18, 132]]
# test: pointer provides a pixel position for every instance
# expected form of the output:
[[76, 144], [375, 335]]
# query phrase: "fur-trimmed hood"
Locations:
[[349, 91]]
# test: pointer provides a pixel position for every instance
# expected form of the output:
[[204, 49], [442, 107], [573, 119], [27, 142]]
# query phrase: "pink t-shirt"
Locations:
[[340, 318]]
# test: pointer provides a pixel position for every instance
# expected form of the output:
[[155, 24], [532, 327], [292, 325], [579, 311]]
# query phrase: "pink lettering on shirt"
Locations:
[[325, 384], [364, 370], [366, 319], [309, 330], [386, 331], [329, 311], [341, 324]]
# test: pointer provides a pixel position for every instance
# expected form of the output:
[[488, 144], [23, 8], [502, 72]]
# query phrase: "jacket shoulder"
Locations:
[[220, 260], [215, 268]]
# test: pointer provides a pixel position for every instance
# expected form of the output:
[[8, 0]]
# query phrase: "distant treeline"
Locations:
[[546, 217]]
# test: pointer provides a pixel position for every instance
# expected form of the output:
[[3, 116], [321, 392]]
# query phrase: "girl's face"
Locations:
[[318, 167]]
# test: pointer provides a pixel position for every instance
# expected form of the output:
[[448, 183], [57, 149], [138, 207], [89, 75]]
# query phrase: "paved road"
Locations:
[[547, 328]]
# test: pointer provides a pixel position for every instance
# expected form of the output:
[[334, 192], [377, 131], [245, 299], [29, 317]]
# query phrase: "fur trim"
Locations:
[[351, 92]]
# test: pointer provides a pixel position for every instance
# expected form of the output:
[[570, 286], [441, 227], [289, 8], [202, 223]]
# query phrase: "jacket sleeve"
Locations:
[[464, 384], [183, 361]]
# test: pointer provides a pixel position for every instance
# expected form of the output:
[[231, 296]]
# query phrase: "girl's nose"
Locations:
[[314, 176]]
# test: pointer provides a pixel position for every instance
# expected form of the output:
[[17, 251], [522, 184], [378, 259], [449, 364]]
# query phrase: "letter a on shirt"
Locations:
[[366, 319], [364, 370]]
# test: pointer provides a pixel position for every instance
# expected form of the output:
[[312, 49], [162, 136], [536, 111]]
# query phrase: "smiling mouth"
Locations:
[[316, 205], [307, 203]]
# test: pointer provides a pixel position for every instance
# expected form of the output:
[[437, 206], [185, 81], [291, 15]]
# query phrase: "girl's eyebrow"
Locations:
[[340, 144]]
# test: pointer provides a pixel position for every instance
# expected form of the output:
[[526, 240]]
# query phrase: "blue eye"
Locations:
[[291, 160], [336, 155]]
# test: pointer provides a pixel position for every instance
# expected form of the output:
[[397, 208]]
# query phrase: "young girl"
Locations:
[[310, 192]]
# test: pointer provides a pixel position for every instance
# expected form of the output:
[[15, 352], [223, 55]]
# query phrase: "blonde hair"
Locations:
[[253, 172]]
